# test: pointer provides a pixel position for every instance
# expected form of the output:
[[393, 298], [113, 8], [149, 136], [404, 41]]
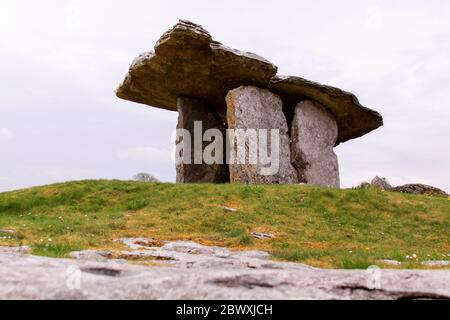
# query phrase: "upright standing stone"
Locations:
[[314, 133], [248, 108], [380, 183], [196, 170]]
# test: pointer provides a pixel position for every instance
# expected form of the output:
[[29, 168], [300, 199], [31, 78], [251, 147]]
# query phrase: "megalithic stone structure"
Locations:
[[191, 73]]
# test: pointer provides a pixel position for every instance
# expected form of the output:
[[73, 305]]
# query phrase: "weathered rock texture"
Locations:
[[413, 188], [381, 183], [189, 111], [187, 62], [313, 135], [187, 270], [250, 107], [352, 118], [417, 188]]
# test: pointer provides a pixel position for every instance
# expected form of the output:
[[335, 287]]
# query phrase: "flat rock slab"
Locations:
[[200, 272], [187, 62]]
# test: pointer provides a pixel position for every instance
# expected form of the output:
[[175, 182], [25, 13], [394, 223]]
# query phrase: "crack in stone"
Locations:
[[102, 271], [246, 282], [398, 295]]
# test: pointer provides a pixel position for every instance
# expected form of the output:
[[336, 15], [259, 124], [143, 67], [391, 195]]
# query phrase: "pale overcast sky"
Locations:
[[60, 62]]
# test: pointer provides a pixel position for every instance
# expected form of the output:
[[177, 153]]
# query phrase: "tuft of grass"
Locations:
[[324, 227], [57, 250], [355, 263], [137, 204]]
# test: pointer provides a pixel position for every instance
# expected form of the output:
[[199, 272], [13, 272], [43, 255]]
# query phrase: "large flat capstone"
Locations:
[[353, 120], [187, 62]]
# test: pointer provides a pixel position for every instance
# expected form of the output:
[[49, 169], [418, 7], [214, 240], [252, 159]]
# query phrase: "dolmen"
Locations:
[[240, 122]]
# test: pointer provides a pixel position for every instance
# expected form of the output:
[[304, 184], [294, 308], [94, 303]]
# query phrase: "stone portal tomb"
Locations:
[[233, 91]]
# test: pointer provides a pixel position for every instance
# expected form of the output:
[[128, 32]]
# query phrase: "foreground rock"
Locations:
[[252, 108], [313, 135], [187, 270]]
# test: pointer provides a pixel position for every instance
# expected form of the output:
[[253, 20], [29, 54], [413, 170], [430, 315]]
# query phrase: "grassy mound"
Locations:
[[319, 226]]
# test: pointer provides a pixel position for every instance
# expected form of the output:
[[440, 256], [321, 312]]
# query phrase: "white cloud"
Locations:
[[5, 134]]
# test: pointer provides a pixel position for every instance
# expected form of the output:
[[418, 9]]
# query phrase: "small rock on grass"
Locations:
[[20, 249], [436, 263], [92, 255], [139, 243], [10, 231], [391, 262], [260, 235], [230, 209]]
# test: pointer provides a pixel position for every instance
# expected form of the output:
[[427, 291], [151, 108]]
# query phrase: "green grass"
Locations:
[[319, 226]]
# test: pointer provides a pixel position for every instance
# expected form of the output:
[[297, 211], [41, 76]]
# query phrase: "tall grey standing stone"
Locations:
[[314, 133], [190, 111], [250, 107]]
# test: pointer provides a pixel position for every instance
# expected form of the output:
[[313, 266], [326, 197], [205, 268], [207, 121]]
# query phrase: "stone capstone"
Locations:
[[313, 135], [252, 108], [187, 62], [353, 119], [191, 166]]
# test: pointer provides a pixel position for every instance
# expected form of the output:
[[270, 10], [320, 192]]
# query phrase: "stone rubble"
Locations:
[[418, 188], [412, 188]]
